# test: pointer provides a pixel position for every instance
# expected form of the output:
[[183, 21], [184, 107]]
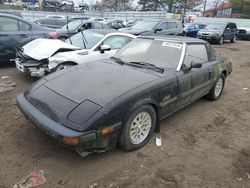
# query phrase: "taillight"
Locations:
[[53, 35]]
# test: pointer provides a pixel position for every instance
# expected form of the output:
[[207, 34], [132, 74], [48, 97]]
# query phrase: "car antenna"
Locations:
[[67, 27]]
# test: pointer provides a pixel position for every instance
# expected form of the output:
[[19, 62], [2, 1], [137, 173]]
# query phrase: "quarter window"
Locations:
[[195, 53], [23, 26]]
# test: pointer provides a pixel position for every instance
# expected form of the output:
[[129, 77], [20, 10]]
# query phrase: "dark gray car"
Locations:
[[218, 32], [16, 32], [77, 26], [155, 26]]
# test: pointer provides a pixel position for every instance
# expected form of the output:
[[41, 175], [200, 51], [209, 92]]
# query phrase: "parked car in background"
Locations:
[[96, 105], [87, 46], [15, 13], [79, 18], [133, 22], [243, 30], [16, 32], [99, 19], [53, 23], [116, 24], [218, 32], [57, 16], [155, 26], [191, 30], [78, 25]]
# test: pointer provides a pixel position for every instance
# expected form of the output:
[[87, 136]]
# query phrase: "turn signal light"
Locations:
[[107, 131], [71, 140]]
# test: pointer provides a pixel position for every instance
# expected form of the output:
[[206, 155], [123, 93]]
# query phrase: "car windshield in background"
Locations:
[[145, 24], [216, 26], [86, 39], [159, 53], [72, 25]]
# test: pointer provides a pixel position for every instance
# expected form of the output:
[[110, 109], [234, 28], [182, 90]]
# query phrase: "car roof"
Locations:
[[178, 39], [10, 15]]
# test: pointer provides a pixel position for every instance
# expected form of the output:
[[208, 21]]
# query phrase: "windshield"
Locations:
[[145, 25], [217, 26], [156, 52], [91, 39], [72, 25]]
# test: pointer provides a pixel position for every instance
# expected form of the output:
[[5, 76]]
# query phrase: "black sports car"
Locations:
[[93, 106]]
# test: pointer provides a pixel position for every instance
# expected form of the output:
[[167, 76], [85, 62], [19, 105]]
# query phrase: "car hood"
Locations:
[[99, 82], [134, 31], [44, 48], [210, 31], [244, 28]]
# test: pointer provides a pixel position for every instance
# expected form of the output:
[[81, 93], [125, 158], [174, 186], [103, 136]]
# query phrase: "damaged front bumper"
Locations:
[[26, 64], [35, 69], [83, 142]]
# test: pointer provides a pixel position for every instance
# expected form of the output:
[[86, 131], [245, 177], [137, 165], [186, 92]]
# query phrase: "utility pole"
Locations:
[[185, 6], [205, 4]]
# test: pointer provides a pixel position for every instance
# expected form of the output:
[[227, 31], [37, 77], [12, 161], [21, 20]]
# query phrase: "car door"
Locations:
[[115, 42], [195, 82], [13, 33], [227, 32]]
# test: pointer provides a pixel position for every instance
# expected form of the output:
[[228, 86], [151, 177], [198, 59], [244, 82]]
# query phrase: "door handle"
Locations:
[[23, 36]]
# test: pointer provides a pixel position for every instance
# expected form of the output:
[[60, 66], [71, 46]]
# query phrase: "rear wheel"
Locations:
[[217, 89], [233, 40], [221, 40], [138, 128]]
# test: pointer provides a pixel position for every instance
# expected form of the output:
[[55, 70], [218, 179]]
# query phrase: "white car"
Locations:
[[86, 46]]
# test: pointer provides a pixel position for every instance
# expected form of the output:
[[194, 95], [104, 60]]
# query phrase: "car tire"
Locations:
[[138, 128], [233, 40], [221, 40], [63, 66], [62, 38], [217, 88]]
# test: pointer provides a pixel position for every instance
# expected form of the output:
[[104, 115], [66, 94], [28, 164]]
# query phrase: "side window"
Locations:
[[97, 25], [163, 26], [196, 53], [116, 42], [60, 23], [196, 26], [24, 26], [172, 25], [8, 24], [87, 26]]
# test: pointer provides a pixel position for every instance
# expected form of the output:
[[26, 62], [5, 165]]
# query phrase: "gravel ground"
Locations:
[[207, 144]]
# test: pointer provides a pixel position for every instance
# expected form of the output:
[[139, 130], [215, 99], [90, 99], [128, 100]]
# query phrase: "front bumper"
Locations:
[[34, 69], [90, 141], [209, 37], [243, 36]]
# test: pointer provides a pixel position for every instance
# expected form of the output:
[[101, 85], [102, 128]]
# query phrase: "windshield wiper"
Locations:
[[118, 60], [84, 40], [147, 65]]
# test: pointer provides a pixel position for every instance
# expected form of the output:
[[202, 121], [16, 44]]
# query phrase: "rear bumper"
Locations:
[[90, 141]]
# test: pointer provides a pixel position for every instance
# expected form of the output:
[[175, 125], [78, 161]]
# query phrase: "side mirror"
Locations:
[[158, 29], [196, 65], [104, 48], [192, 65]]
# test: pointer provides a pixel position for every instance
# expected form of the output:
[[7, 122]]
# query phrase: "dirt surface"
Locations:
[[207, 144]]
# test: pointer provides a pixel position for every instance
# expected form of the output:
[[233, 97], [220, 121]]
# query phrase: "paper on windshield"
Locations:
[[172, 45]]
